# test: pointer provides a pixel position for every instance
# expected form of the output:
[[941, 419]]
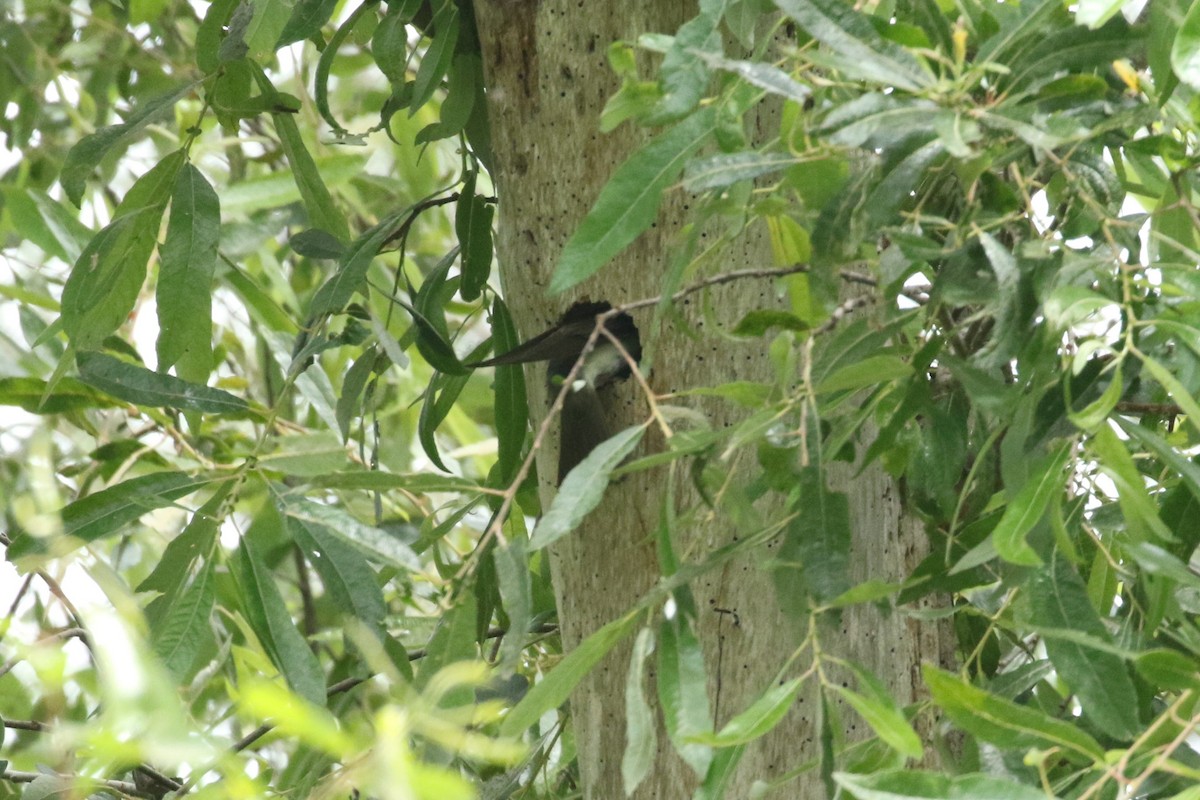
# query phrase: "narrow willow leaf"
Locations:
[[641, 730], [1187, 469], [196, 540], [68, 395], [683, 691], [275, 189], [1004, 723], [373, 542], [473, 223], [88, 152], [1169, 669], [139, 385], [462, 92], [1185, 50], [1058, 599], [438, 56], [764, 76], [512, 573], [762, 715], [1027, 506], [108, 511], [718, 171], [105, 282], [439, 401], [552, 691], [510, 403], [349, 581], [322, 212], [864, 53], [583, 488], [184, 630], [886, 720], [307, 17], [453, 640], [1178, 392], [336, 292], [907, 784], [1137, 506], [268, 616], [628, 204], [184, 291], [818, 539], [375, 480], [262, 34], [869, 371], [683, 75]]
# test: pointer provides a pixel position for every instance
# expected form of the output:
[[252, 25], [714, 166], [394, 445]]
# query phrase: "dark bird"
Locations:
[[583, 420]]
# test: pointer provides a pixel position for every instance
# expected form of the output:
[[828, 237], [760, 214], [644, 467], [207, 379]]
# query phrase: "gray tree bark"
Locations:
[[548, 78]]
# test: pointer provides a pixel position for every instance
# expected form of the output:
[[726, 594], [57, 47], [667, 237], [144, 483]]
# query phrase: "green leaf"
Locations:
[[719, 171], [188, 258], [269, 618], [322, 212], [307, 18], [818, 538], [348, 580], [196, 540], [683, 74], [764, 76], [882, 713], [628, 204], [862, 52], [67, 395], [512, 573], [105, 282], [683, 690], [184, 629], [89, 151], [758, 322], [1004, 723], [552, 691], [473, 224], [139, 385], [461, 90], [337, 290], [641, 729], [908, 784], [452, 641], [761, 716], [1026, 508], [1185, 50], [870, 371], [110, 510], [378, 481], [1185, 468], [1058, 599], [438, 56], [583, 488], [510, 404], [440, 399], [1178, 392], [373, 542], [1169, 669], [280, 188]]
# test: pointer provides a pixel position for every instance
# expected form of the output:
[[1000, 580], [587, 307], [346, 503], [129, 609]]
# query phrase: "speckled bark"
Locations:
[[548, 78]]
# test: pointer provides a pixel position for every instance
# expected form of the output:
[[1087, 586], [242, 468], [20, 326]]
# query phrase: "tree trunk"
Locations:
[[548, 78]]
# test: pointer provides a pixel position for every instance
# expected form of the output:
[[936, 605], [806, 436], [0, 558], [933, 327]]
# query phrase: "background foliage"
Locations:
[[268, 535]]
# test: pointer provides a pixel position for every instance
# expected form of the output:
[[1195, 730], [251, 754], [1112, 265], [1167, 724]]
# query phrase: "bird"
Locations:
[[584, 424]]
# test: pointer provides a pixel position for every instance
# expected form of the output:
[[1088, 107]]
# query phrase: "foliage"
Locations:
[[310, 516]]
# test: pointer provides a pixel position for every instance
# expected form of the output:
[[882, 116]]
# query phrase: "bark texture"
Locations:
[[548, 79]]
